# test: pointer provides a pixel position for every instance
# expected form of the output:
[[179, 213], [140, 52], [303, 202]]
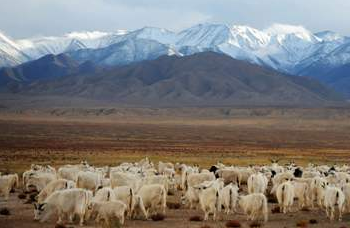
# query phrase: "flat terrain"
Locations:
[[195, 136], [233, 136]]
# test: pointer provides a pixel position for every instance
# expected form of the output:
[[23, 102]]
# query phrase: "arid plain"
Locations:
[[203, 136]]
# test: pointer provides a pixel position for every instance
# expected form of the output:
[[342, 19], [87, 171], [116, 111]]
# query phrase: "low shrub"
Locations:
[[60, 226], [313, 221], [205, 226], [275, 210], [305, 209], [302, 224], [233, 223], [158, 217], [255, 225], [172, 205], [4, 211], [22, 196], [196, 218]]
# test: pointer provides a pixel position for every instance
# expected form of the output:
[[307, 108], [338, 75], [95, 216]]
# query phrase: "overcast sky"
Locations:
[[24, 18]]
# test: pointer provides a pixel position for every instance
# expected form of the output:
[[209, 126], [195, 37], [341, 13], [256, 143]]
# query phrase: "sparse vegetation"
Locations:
[[275, 210], [205, 226], [233, 223], [239, 142], [158, 217], [60, 226], [302, 223], [313, 221], [170, 139], [196, 218], [255, 225], [4, 211], [305, 209], [22, 196], [172, 205]]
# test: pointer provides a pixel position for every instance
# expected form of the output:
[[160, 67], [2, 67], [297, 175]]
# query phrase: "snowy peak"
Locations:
[[280, 46], [75, 45], [329, 36], [244, 36], [86, 35], [4, 40], [153, 33], [10, 53], [282, 30], [204, 35]]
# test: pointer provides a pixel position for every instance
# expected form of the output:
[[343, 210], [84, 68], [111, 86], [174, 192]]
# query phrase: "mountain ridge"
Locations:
[[286, 48], [205, 79]]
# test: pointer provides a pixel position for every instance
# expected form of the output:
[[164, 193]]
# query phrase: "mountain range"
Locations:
[[201, 79], [293, 50]]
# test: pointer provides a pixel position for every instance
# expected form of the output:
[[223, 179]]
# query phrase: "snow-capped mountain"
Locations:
[[40, 46], [329, 36], [124, 52], [10, 52], [287, 48]]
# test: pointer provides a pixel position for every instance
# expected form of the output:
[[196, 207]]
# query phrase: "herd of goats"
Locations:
[[140, 190]]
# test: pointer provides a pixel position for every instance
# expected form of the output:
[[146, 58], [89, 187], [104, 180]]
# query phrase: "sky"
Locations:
[[27, 18]]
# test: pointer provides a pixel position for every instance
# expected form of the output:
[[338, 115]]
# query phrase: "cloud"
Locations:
[[23, 18]]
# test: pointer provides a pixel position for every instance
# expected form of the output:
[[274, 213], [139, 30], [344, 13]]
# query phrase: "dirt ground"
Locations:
[[234, 140]]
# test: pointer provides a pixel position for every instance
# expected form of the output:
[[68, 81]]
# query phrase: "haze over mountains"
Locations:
[[293, 50]]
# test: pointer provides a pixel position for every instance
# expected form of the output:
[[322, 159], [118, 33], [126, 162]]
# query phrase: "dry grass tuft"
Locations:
[[22, 196], [233, 223], [158, 217], [275, 210], [196, 218], [302, 223], [172, 205], [205, 226], [4, 211], [305, 209], [60, 226], [255, 225], [313, 221]]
